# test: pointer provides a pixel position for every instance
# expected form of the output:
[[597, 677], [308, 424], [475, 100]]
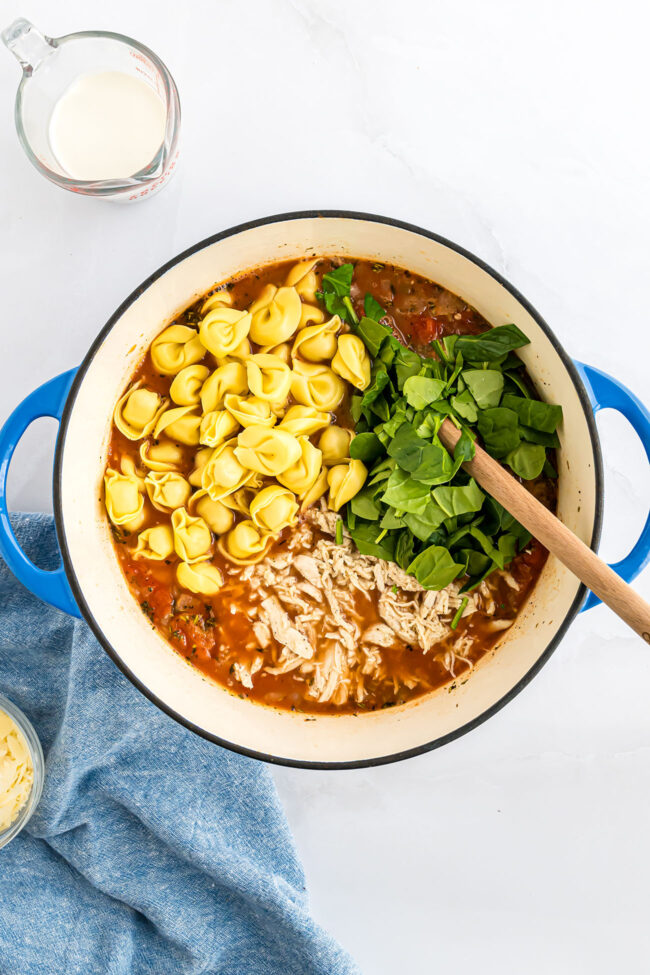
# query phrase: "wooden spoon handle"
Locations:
[[554, 535]]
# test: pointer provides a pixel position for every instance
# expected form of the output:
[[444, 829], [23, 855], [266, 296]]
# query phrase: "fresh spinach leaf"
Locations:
[[465, 406], [365, 535], [366, 447], [491, 344], [485, 385], [527, 460], [421, 391], [372, 333], [499, 431], [372, 308], [533, 413], [434, 568], [405, 493], [459, 500]]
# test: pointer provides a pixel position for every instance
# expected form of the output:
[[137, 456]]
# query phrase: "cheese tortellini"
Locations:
[[275, 315], [304, 420], [185, 390], [303, 278], [223, 473], [316, 385], [192, 537], [181, 424], [175, 348], [165, 456], [335, 445], [245, 544], [155, 543], [302, 474], [229, 378], [269, 377], [224, 329], [345, 481], [317, 343], [124, 500], [274, 508], [167, 490], [241, 437], [250, 410], [352, 361], [267, 450], [203, 578], [217, 427], [138, 411], [215, 514]]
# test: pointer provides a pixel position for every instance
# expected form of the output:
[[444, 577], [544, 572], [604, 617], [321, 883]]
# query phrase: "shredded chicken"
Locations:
[[309, 594]]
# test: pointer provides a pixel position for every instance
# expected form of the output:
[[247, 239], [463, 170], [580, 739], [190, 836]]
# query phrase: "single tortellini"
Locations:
[[281, 351], [124, 500], [274, 508], [229, 378], [217, 427], [203, 578], [241, 500], [315, 385], [216, 300], [316, 491], [216, 515], [137, 412], [245, 544], [167, 490], [352, 361], [275, 315], [345, 481], [155, 543], [300, 477], [267, 450], [335, 445], [317, 343], [269, 377], [185, 390], [175, 348], [223, 474], [127, 466], [303, 278], [311, 313], [165, 456], [242, 351], [192, 538], [250, 410], [224, 329], [181, 424], [200, 460], [302, 421]]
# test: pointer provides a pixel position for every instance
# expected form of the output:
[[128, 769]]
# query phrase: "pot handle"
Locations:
[[50, 586], [607, 393]]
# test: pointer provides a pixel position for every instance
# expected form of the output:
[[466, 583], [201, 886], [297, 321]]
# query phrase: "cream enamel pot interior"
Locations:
[[91, 570]]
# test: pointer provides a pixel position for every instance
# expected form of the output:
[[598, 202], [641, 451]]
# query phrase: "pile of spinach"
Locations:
[[418, 507]]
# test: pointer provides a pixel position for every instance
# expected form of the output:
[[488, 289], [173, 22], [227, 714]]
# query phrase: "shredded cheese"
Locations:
[[16, 771]]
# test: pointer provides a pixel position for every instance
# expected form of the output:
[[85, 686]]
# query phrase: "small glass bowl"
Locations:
[[38, 764]]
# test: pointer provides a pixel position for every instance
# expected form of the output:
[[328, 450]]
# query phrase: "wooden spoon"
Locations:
[[554, 535]]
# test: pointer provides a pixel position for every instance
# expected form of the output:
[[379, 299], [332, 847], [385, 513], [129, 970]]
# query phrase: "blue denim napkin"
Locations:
[[151, 850]]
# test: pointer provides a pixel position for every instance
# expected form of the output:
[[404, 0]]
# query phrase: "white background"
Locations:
[[519, 130]]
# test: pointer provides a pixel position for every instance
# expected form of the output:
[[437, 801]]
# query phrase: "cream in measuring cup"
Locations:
[[107, 125], [96, 112]]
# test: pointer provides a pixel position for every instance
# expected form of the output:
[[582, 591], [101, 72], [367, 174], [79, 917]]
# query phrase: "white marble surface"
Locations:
[[518, 130]]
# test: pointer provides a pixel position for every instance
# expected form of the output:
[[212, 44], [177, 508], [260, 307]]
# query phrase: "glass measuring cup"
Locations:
[[50, 65]]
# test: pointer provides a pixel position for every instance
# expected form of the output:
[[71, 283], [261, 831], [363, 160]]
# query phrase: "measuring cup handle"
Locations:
[[27, 44]]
